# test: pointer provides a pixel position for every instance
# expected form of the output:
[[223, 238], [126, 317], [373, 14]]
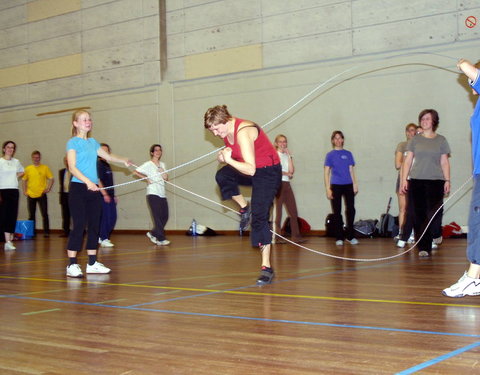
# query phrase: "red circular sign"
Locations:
[[471, 22]]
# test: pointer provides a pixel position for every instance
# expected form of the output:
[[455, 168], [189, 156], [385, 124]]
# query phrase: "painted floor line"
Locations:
[[187, 313], [441, 358], [40, 312], [238, 292]]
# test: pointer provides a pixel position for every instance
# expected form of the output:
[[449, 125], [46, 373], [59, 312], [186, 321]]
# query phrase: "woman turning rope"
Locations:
[[251, 161]]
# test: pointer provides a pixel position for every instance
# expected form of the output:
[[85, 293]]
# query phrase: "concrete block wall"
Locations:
[[257, 56]]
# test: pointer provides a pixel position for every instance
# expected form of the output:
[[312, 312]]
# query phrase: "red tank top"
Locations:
[[265, 153]]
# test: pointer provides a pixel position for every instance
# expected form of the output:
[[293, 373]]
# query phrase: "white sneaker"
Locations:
[[401, 244], [9, 246], [353, 241], [163, 243], [152, 238], [339, 243], [74, 270], [423, 254], [97, 267], [411, 239], [466, 286], [434, 246], [438, 240], [106, 243]]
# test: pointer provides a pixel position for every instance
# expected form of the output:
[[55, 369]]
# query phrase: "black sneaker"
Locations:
[[266, 276], [245, 216]]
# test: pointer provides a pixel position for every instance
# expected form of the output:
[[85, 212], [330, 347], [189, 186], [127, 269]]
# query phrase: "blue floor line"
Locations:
[[421, 366], [249, 318]]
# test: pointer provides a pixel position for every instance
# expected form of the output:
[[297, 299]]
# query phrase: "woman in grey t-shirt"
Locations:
[[429, 176]]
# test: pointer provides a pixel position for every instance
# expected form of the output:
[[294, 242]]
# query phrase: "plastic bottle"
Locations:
[[194, 227]]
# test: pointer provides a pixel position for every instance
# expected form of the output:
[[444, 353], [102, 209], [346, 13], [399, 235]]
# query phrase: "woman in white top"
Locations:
[[156, 198], [285, 194], [10, 171]]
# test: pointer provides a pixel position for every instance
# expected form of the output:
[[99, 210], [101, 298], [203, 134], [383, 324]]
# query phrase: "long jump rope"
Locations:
[[301, 100]]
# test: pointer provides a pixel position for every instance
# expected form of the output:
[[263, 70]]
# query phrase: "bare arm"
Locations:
[[245, 139], [50, 182], [468, 69], [445, 164], [354, 178], [405, 170], [113, 158], [326, 177], [398, 160]]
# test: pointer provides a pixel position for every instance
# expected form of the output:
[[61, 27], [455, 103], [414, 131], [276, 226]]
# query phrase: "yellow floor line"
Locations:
[[245, 293]]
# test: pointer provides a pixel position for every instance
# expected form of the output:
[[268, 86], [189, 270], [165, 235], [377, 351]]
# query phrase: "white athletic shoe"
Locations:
[[434, 246], [106, 243], [74, 270], [353, 241], [152, 238], [97, 267], [466, 286], [9, 246], [438, 240], [163, 243], [401, 244], [339, 243]]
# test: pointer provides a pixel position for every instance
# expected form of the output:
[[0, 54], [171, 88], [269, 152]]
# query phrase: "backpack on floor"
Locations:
[[365, 228], [388, 224], [303, 226]]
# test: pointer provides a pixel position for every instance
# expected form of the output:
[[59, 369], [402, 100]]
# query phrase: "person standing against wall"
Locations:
[[285, 194], [84, 198], [37, 183], [429, 177], [156, 198], [64, 178], [340, 181], [109, 207], [10, 171]]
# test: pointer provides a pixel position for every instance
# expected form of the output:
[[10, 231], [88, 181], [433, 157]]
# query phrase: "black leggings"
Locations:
[[86, 211], [8, 210], [338, 192]]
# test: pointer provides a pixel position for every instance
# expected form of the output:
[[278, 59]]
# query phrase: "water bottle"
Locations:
[[194, 227]]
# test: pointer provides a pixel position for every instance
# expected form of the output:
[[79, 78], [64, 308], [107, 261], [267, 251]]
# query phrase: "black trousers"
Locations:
[[65, 213], [426, 197], [265, 184], [340, 191], [159, 211], [86, 210], [32, 208], [8, 210]]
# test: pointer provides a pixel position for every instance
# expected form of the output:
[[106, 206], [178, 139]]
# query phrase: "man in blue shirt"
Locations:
[[469, 283]]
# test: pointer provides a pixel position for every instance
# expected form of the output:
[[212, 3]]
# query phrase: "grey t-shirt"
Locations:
[[427, 153], [402, 147]]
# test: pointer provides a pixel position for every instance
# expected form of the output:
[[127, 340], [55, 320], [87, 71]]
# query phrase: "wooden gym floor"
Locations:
[[193, 308]]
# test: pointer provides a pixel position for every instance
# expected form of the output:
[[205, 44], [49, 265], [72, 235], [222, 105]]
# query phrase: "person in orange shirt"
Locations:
[[37, 182]]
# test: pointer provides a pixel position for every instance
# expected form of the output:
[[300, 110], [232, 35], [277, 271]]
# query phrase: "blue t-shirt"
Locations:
[[475, 126], [340, 161], [86, 150]]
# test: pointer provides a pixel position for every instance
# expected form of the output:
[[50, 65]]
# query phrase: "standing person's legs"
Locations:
[[435, 193], [409, 215], [43, 203], [108, 219], [94, 214], [65, 213], [155, 205], [79, 217], [279, 201], [10, 198], [32, 208], [336, 203], [266, 183], [469, 283], [349, 209], [419, 200], [292, 212]]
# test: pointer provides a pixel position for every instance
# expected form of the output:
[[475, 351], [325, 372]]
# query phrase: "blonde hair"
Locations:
[[277, 138], [75, 116]]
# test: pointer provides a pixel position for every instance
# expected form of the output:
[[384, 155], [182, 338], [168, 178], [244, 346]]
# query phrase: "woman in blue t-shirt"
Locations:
[[340, 181], [84, 197]]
